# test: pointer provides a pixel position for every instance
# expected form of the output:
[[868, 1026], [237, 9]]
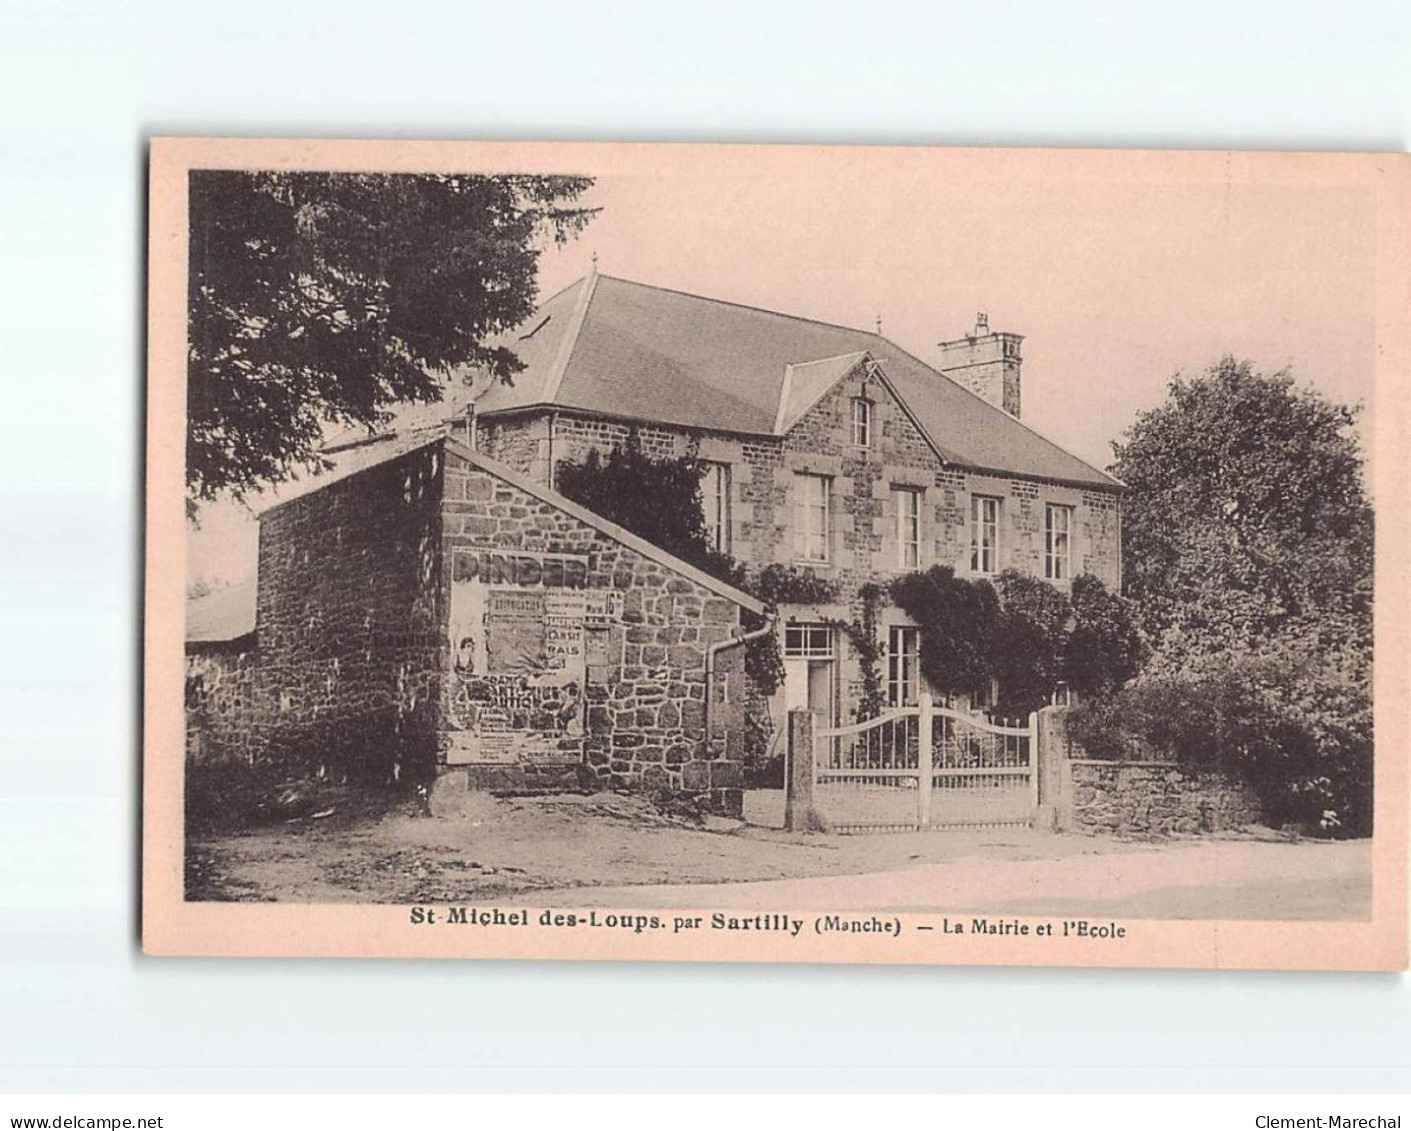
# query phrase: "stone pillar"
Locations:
[[1055, 781], [800, 813]]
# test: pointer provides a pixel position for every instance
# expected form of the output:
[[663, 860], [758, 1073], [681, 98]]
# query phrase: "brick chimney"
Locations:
[[985, 363]]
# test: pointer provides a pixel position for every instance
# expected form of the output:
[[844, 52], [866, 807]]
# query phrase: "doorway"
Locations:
[[811, 671]]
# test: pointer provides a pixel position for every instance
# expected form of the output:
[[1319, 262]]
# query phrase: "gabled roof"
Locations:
[[625, 349], [230, 613], [806, 383]]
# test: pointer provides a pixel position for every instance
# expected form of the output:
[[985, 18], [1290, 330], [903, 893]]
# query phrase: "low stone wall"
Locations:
[[1153, 798]]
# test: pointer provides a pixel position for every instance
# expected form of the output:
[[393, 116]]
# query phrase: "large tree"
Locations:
[[1247, 521], [325, 298]]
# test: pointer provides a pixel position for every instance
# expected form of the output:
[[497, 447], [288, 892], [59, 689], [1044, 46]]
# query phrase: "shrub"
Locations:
[[1103, 649], [1027, 645], [1299, 735], [957, 619]]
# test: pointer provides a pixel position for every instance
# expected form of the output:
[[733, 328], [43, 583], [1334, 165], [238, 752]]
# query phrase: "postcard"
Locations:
[[776, 554]]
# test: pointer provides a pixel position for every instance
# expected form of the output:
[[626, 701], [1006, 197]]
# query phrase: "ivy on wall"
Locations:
[[867, 645]]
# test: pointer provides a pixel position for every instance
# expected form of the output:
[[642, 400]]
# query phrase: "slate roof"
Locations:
[[625, 349]]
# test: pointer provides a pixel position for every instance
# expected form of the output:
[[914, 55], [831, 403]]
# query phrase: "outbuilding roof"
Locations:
[[229, 613]]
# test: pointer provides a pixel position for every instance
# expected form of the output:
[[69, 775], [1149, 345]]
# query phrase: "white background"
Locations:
[[82, 85]]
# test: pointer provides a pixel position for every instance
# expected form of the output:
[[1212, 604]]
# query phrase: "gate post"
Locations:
[[1034, 759], [924, 761], [800, 813]]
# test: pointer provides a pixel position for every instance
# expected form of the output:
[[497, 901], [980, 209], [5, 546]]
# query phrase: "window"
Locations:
[[1058, 542], [985, 696], [715, 503], [808, 642], [861, 422], [908, 502], [1062, 696], [811, 517], [902, 666], [984, 534]]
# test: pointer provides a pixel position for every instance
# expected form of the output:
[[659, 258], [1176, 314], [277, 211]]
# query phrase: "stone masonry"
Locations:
[[351, 669], [863, 500], [646, 709], [1157, 799]]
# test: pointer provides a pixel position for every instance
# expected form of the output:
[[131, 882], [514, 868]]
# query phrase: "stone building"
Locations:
[[829, 449], [423, 609]]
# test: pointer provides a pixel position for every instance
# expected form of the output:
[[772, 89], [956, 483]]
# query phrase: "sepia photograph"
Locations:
[[853, 553], [634, 565]]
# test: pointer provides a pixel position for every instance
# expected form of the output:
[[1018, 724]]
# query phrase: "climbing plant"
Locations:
[[868, 647]]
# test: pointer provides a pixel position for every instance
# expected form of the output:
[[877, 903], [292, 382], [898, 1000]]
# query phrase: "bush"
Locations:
[[1103, 649], [957, 619], [1028, 642], [1300, 736]]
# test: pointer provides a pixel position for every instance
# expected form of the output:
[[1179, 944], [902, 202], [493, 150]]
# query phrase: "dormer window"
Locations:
[[861, 422]]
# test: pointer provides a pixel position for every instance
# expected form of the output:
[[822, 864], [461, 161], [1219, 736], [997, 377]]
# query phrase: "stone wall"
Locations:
[[521, 442], [222, 702], [1156, 798], [646, 710], [348, 625], [863, 503], [1134, 798], [864, 510]]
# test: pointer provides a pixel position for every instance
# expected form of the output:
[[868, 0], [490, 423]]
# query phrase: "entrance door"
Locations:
[[810, 671]]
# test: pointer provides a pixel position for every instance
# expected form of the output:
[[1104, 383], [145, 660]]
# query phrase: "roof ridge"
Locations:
[[553, 380], [994, 408], [738, 305]]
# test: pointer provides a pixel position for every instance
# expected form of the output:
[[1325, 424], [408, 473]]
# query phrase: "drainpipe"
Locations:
[[771, 620]]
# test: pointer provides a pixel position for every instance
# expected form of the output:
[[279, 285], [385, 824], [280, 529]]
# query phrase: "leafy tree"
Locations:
[[1248, 557], [660, 500], [1247, 519], [324, 298], [657, 498], [1028, 643], [957, 621], [1103, 649]]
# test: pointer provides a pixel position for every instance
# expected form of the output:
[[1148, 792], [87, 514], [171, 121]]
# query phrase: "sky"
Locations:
[[1119, 272]]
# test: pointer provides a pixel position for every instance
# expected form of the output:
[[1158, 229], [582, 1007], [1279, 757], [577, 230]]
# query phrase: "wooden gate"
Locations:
[[926, 767]]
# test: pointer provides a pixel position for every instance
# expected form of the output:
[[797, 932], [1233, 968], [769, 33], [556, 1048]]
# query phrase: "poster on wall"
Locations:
[[520, 660]]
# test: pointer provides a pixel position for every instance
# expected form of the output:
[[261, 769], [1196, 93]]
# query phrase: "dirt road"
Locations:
[[1209, 880], [610, 849]]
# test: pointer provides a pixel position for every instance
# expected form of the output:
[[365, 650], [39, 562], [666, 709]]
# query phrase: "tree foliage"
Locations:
[[1021, 631], [1103, 649], [324, 298], [1247, 519], [659, 498], [957, 620], [1030, 634], [1247, 552], [656, 498]]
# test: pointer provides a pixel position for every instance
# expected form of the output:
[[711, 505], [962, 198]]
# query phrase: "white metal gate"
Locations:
[[926, 767]]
